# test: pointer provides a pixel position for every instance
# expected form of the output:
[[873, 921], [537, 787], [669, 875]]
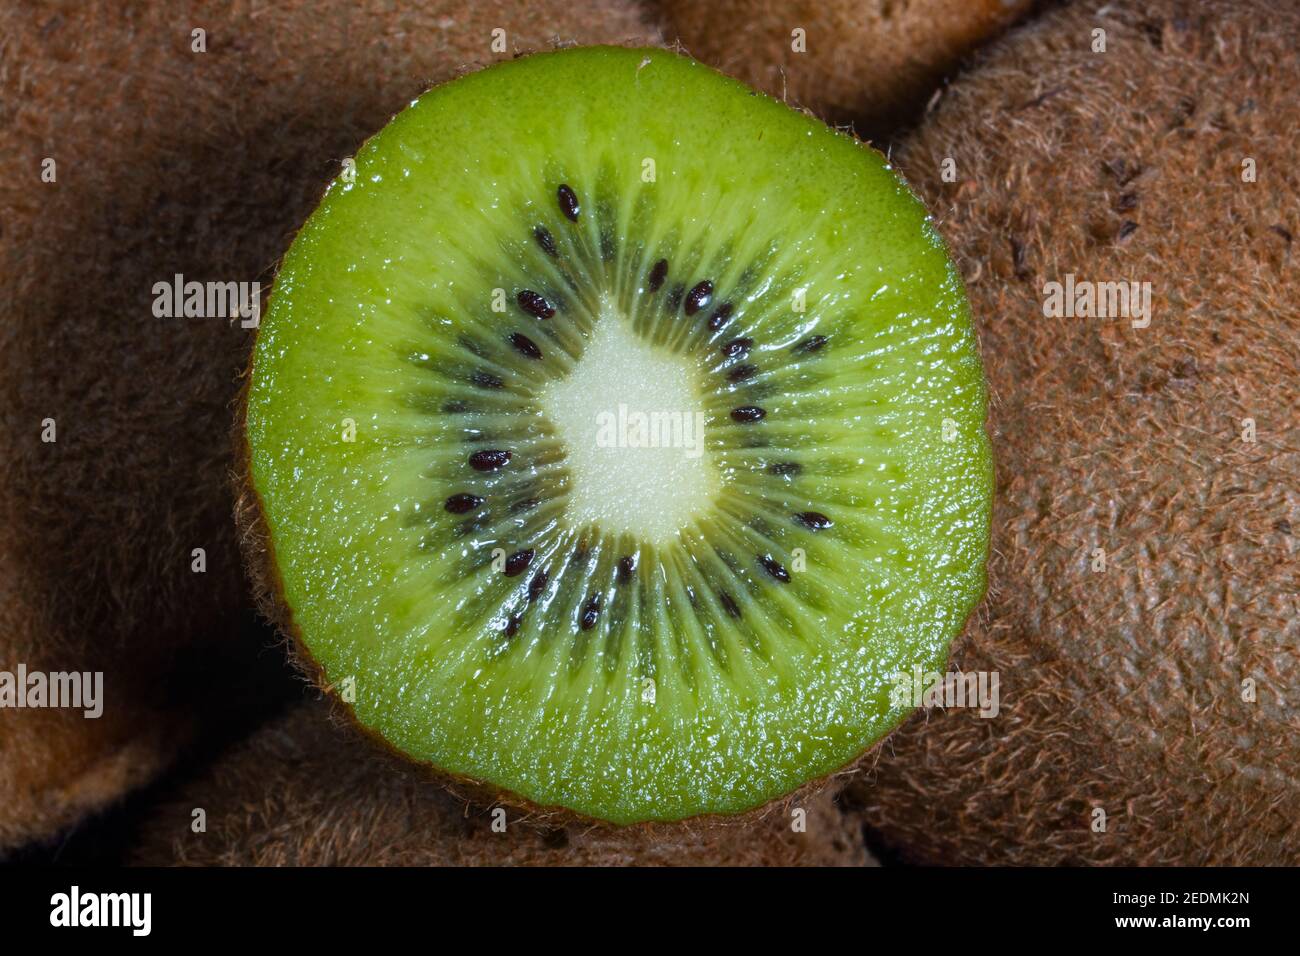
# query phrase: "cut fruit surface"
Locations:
[[619, 436]]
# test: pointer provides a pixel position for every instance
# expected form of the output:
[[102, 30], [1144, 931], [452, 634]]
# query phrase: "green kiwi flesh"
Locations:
[[630, 633]]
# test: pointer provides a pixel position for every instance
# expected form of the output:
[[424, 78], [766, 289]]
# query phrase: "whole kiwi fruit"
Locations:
[[1142, 611], [153, 172], [872, 63], [304, 791]]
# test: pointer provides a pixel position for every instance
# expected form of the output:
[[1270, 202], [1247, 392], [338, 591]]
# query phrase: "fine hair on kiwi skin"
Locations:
[[308, 790], [1142, 608], [100, 524], [869, 63], [285, 404]]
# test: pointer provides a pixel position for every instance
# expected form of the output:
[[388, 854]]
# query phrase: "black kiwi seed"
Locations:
[[537, 585], [518, 562], [742, 372], [512, 625], [814, 520], [519, 507], [699, 296], [534, 304], [461, 503], [729, 604], [489, 459], [546, 241], [591, 612], [735, 347], [568, 202], [748, 413], [784, 468], [657, 275], [486, 380], [811, 344], [526, 346], [774, 568], [626, 565], [720, 317], [455, 407]]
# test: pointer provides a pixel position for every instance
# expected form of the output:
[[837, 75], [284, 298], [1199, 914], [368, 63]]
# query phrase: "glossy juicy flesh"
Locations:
[[619, 433]]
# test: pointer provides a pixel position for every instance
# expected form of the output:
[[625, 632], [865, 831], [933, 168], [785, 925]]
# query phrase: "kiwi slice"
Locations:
[[515, 576]]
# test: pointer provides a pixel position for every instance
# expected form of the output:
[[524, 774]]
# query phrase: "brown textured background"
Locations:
[[1123, 689], [868, 63], [1114, 685], [304, 792]]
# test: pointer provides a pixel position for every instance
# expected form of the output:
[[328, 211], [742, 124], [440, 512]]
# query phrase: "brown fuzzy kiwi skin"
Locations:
[[870, 63], [157, 174], [307, 791], [1122, 689]]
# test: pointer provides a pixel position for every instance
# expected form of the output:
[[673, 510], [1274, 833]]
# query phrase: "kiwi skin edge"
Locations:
[[268, 594]]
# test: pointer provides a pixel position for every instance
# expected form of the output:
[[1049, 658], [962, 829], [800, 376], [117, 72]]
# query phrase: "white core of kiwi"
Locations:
[[634, 431]]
